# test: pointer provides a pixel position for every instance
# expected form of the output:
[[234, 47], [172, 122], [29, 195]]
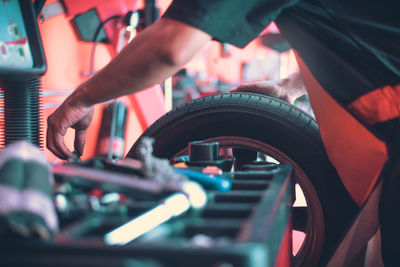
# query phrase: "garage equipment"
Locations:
[[107, 217]]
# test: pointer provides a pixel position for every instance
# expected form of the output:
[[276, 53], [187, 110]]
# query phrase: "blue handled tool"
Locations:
[[208, 181]]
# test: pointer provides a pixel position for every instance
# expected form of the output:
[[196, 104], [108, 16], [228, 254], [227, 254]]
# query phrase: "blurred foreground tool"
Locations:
[[26, 196]]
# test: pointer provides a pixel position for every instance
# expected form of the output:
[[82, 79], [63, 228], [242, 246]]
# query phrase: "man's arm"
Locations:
[[155, 54]]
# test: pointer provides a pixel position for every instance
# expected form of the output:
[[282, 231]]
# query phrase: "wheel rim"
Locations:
[[311, 249]]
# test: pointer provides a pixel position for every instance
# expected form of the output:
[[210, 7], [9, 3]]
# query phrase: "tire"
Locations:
[[272, 126]]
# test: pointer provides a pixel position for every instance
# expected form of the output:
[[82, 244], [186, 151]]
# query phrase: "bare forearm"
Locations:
[[153, 55], [147, 60]]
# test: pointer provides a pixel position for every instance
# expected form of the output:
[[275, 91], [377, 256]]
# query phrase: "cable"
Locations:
[[91, 72], [95, 41], [38, 6]]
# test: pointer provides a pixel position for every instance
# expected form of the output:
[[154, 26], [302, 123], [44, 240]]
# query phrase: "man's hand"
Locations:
[[68, 115], [287, 89], [270, 88]]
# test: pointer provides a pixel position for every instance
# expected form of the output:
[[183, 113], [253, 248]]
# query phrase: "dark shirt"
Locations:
[[363, 37]]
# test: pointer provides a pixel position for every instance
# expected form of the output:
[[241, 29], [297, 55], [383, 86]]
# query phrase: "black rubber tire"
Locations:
[[271, 121]]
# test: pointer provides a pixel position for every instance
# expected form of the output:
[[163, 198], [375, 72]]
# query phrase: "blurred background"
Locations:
[[74, 52]]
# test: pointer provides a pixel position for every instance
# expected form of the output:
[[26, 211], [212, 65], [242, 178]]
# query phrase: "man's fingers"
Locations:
[[50, 144], [55, 141], [61, 147], [269, 88], [67, 116], [254, 89], [79, 142], [242, 88], [53, 144]]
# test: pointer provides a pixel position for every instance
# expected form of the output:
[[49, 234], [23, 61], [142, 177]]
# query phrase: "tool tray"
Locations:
[[242, 227]]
